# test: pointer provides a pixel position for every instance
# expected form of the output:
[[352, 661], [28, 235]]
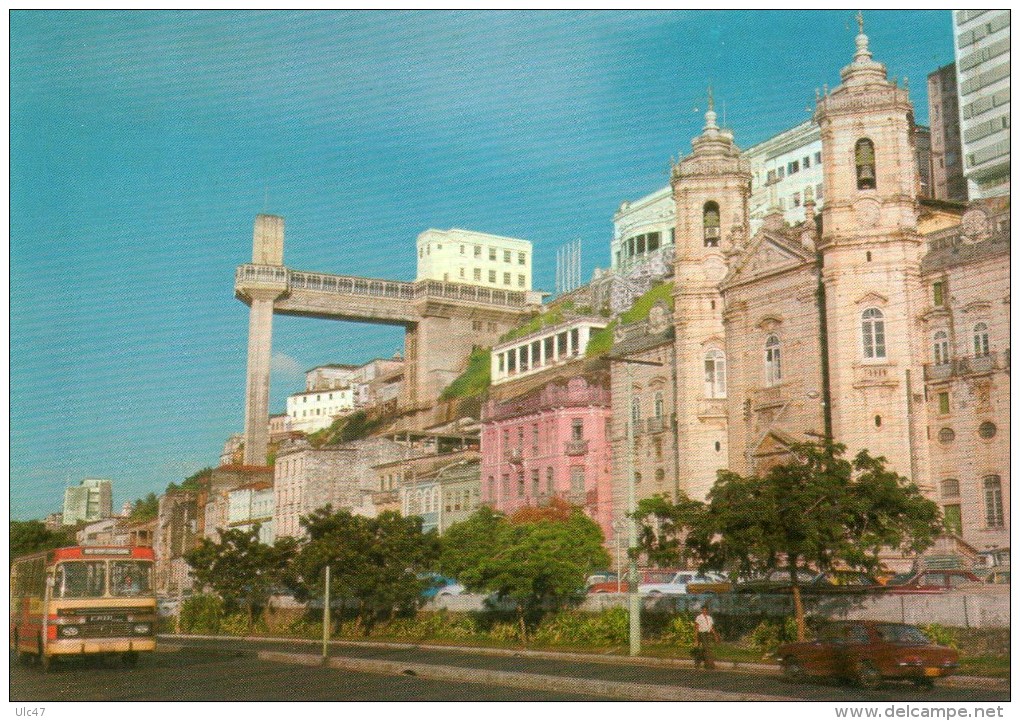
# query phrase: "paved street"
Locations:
[[208, 670], [220, 674]]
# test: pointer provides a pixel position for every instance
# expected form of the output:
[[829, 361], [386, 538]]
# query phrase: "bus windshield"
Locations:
[[80, 579], [130, 578]]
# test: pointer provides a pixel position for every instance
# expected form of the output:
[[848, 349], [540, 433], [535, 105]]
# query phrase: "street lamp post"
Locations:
[[618, 527], [634, 596], [325, 621]]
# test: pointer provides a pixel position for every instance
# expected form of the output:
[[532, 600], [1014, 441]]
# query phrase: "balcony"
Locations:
[[656, 424], [576, 447], [768, 397], [515, 455], [967, 366]]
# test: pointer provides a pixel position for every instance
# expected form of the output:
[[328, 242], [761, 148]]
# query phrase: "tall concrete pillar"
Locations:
[[262, 283]]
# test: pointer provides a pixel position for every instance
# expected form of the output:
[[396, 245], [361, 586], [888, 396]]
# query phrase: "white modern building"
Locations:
[[464, 256], [92, 500], [310, 411], [982, 81], [543, 349]]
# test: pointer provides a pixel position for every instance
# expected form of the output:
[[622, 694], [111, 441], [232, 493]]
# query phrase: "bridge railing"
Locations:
[[375, 287]]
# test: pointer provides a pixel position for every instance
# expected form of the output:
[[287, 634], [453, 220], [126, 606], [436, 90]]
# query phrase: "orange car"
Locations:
[[868, 652]]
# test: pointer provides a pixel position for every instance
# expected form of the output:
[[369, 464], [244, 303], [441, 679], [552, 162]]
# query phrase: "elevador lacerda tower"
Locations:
[[443, 322]]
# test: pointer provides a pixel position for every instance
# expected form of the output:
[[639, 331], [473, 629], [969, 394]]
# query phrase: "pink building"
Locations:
[[548, 442]]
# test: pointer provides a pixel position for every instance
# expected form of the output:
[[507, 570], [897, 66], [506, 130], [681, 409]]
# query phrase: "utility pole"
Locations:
[[634, 596], [325, 621]]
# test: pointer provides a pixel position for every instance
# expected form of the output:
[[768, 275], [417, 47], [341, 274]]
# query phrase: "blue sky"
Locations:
[[143, 145]]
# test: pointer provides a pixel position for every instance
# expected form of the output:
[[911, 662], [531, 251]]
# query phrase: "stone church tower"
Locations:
[[711, 188], [871, 252]]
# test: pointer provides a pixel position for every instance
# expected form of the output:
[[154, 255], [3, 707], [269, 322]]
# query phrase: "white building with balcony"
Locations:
[[465, 256], [543, 349]]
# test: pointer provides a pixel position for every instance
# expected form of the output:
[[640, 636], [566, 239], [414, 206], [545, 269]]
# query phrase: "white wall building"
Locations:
[[982, 81], [464, 256], [310, 411], [251, 504], [543, 349]]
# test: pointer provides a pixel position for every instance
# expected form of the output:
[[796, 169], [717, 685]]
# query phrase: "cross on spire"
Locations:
[[860, 22], [711, 102]]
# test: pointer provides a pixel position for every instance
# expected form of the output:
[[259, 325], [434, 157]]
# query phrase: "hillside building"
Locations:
[[92, 500], [465, 256]]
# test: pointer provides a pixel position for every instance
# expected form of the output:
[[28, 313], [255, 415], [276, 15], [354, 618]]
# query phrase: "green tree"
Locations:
[[817, 508], [31, 536], [374, 562], [240, 569], [539, 565], [145, 509], [664, 526], [193, 482]]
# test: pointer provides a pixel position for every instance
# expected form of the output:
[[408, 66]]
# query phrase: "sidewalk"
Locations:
[[571, 656]]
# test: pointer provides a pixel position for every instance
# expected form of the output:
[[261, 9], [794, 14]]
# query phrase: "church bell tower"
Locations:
[[711, 190], [871, 253]]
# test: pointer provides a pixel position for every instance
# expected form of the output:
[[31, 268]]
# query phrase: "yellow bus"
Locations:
[[83, 600]]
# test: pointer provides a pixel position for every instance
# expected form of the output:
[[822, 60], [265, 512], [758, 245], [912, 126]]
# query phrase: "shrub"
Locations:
[[941, 635], [202, 614], [238, 624], [767, 636], [505, 632], [474, 380], [609, 627], [680, 632]]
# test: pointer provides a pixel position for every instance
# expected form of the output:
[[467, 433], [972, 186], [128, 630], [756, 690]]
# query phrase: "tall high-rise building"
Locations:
[[90, 501], [947, 181], [982, 79]]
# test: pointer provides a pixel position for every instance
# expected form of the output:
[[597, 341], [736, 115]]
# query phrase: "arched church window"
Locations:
[[710, 219], [773, 363], [981, 339], [715, 374], [873, 334], [941, 348], [864, 157]]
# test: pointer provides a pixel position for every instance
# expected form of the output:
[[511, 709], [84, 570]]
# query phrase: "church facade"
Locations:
[[882, 322]]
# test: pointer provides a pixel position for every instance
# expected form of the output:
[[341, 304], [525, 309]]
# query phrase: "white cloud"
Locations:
[[287, 369]]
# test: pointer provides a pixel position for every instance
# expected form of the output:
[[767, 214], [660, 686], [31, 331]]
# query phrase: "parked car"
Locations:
[[812, 583], [931, 581], [606, 582], [440, 586], [868, 652], [677, 583], [166, 607]]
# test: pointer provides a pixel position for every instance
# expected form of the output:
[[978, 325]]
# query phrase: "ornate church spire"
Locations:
[[710, 116]]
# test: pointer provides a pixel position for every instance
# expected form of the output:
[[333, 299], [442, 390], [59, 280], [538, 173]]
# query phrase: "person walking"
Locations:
[[704, 624]]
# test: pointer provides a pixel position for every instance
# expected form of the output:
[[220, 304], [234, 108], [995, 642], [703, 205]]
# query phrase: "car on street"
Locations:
[[677, 583], [868, 652], [932, 581]]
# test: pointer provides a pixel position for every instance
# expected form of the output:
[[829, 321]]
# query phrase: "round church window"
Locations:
[[987, 430]]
